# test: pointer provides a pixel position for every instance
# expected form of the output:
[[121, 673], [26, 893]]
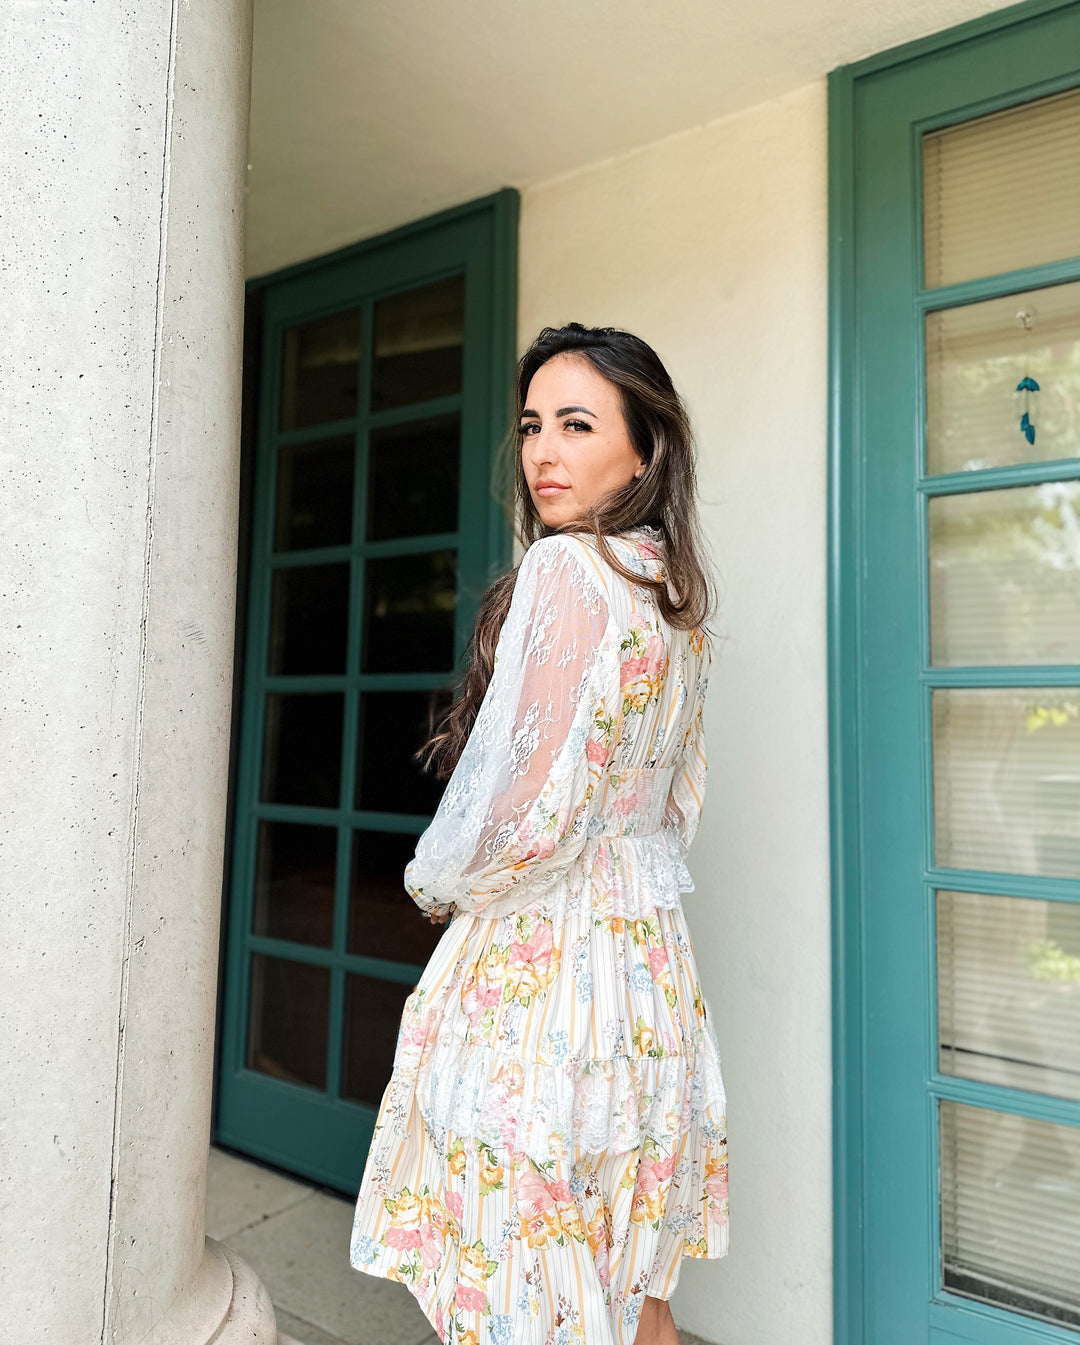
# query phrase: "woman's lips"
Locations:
[[550, 490]]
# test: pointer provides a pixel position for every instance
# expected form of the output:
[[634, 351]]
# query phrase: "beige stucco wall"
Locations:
[[711, 245]]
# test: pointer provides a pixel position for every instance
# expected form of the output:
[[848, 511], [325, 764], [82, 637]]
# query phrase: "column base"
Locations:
[[227, 1304]]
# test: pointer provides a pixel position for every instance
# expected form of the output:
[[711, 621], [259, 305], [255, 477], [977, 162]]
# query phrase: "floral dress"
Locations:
[[553, 1139]]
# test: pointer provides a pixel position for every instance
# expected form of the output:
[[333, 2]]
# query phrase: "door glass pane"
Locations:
[[384, 921], [309, 619], [1008, 972], [320, 370], [414, 478], [1010, 1211], [1007, 779], [302, 748], [976, 359], [1002, 191], [314, 494], [419, 339], [1005, 576], [294, 883], [393, 724], [288, 1021], [409, 608], [373, 1011]]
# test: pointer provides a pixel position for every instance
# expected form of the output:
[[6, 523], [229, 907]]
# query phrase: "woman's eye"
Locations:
[[581, 424], [529, 425]]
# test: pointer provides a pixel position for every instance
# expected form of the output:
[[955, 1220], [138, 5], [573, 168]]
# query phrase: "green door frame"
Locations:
[[886, 1084], [314, 1133]]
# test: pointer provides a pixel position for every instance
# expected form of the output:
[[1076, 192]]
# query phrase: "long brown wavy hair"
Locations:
[[663, 496]]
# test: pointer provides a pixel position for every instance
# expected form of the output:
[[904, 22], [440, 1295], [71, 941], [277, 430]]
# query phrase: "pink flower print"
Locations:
[[655, 653], [596, 751], [630, 802], [470, 1299], [647, 549], [535, 847], [537, 951], [477, 997], [630, 669], [403, 1238], [431, 1245], [559, 1191], [624, 806], [658, 961], [653, 1171], [473, 1272], [404, 1230], [533, 1195], [716, 1182], [455, 1205]]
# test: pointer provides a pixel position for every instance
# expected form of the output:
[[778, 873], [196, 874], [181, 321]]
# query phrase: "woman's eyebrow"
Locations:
[[562, 411]]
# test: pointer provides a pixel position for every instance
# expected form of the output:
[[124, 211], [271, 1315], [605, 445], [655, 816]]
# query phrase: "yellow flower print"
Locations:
[[475, 1268], [492, 1173], [572, 1223], [645, 1039], [643, 672], [598, 1233]]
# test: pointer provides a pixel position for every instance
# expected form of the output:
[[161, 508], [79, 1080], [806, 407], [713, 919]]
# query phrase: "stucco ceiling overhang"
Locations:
[[366, 114]]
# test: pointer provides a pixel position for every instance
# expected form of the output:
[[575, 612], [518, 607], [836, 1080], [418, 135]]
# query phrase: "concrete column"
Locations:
[[122, 167]]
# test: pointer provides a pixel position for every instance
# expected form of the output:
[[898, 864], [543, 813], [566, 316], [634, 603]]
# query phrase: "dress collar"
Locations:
[[645, 530]]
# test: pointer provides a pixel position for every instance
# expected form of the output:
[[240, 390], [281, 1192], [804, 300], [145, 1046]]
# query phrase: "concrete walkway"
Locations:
[[296, 1239]]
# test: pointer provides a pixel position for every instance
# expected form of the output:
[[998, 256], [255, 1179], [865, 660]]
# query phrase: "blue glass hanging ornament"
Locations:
[[1027, 385]]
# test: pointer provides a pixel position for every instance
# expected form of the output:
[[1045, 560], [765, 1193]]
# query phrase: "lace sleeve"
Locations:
[[687, 794], [516, 806]]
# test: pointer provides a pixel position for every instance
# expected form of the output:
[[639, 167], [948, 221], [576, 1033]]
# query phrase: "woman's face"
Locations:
[[574, 445]]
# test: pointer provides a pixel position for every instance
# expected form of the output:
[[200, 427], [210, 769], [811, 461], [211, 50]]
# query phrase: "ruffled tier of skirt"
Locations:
[[544, 1036], [553, 1138]]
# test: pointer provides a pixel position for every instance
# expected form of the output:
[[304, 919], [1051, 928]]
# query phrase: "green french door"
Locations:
[[955, 532], [385, 386]]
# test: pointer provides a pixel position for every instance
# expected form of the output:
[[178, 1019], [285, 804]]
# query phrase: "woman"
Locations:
[[553, 1139]]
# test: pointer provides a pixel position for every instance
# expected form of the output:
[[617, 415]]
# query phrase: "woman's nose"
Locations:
[[541, 449]]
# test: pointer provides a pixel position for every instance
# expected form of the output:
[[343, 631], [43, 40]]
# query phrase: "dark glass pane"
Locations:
[[314, 495], [418, 344], [294, 883], [413, 478], [384, 921], [289, 1020], [1010, 1211], [409, 613], [320, 370], [372, 1018], [393, 724], [309, 619], [302, 748]]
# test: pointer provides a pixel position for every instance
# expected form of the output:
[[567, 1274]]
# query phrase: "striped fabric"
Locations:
[[553, 1139]]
